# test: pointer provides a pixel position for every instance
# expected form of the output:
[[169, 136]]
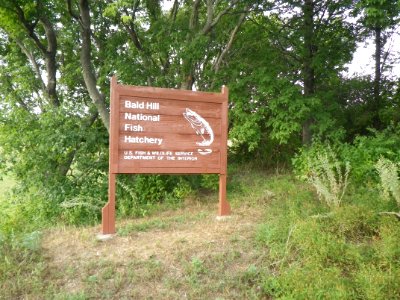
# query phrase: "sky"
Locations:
[[363, 58]]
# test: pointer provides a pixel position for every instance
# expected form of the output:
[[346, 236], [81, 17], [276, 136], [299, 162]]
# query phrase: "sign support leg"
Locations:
[[108, 211], [224, 207]]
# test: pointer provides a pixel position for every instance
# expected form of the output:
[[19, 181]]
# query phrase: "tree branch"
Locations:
[[220, 58], [48, 52], [210, 24], [50, 58], [29, 28], [174, 11], [34, 63], [133, 36], [194, 17], [74, 15]]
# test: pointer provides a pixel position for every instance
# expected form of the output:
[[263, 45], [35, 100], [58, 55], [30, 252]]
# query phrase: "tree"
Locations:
[[47, 120], [379, 17], [305, 46], [34, 33], [178, 49]]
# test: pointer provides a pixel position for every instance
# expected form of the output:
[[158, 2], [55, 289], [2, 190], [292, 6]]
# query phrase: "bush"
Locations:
[[362, 154], [365, 151], [138, 194]]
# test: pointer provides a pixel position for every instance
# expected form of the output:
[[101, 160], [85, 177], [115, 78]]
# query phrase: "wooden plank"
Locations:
[[163, 93], [164, 162], [224, 207], [224, 132], [173, 151], [114, 128], [169, 123], [169, 164], [167, 159], [163, 141], [168, 107], [174, 170]]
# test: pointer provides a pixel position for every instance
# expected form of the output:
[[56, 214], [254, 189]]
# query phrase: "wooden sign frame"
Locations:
[[166, 131]]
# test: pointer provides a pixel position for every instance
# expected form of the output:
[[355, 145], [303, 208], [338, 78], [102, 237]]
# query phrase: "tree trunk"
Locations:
[[50, 59], [88, 74], [308, 68], [188, 64], [49, 52], [378, 77]]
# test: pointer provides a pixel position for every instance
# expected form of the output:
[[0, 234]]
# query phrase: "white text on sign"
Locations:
[[142, 105], [142, 140]]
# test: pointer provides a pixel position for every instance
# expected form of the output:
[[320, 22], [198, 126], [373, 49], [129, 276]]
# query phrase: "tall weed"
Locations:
[[328, 177], [390, 183]]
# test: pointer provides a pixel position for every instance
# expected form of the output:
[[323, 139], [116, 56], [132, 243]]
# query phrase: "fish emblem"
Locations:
[[202, 128]]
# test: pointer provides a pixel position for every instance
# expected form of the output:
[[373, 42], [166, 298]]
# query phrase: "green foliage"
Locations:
[[288, 112], [362, 154], [366, 151], [379, 13], [138, 195], [210, 182]]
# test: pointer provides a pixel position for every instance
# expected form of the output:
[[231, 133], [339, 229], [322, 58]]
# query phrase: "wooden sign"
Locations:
[[166, 131]]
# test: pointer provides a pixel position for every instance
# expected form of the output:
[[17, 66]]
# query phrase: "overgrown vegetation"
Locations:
[[345, 254], [282, 243], [330, 142]]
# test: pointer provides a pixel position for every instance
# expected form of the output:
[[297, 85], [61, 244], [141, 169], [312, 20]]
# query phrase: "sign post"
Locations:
[[166, 131]]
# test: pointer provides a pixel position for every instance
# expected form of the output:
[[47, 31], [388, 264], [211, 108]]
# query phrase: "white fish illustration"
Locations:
[[202, 128]]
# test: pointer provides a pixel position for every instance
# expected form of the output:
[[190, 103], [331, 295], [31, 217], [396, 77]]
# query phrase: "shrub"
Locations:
[[138, 194], [362, 154], [365, 151]]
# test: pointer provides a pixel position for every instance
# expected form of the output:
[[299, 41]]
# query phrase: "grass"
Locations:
[[281, 242], [159, 223]]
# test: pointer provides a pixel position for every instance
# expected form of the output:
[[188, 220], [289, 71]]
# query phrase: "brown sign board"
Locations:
[[166, 131]]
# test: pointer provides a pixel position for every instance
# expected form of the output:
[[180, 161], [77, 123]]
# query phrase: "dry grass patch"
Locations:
[[175, 254]]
